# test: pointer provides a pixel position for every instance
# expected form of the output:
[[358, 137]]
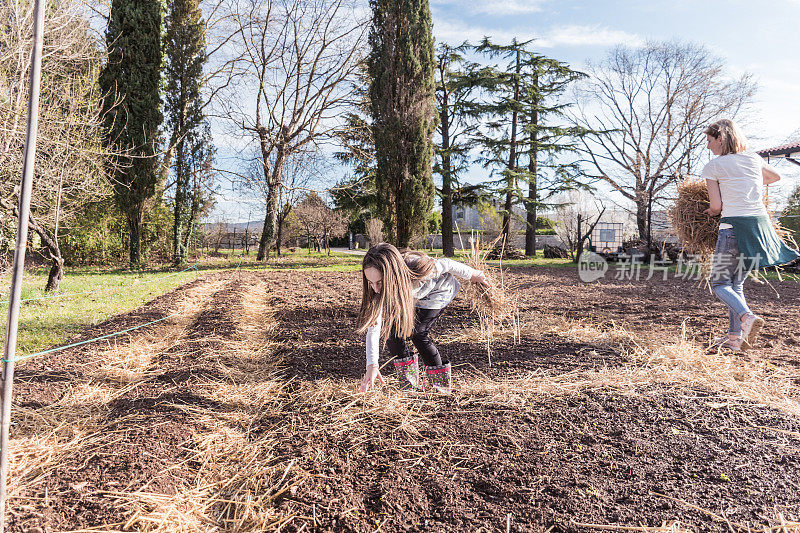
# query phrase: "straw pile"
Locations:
[[496, 305], [696, 230]]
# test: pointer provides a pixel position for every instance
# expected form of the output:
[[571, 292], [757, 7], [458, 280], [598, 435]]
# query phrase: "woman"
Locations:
[[747, 239]]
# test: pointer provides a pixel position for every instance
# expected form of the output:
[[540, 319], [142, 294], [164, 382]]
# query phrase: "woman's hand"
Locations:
[[713, 211], [368, 381], [480, 278]]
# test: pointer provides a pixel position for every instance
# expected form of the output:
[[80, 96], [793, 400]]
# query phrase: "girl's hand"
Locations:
[[368, 381], [480, 278], [712, 211]]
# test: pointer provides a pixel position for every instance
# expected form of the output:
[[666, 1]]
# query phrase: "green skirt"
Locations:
[[759, 245]]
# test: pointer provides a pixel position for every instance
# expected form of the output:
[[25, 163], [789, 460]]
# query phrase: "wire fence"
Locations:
[[18, 358], [110, 289]]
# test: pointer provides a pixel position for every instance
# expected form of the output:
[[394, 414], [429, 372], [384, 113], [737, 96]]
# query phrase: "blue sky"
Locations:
[[756, 36], [760, 37]]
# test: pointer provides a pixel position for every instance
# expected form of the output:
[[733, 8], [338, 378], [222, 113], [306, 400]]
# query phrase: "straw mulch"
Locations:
[[496, 306], [696, 230], [500, 249]]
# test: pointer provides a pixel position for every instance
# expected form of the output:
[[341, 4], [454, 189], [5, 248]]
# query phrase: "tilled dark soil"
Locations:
[[607, 457]]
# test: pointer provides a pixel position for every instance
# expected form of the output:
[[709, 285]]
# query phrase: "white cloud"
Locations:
[[494, 7], [455, 33], [576, 35], [573, 35]]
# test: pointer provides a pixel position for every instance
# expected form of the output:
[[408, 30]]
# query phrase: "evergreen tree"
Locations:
[[790, 216], [500, 141], [356, 194], [131, 81], [185, 58], [547, 141], [520, 113], [401, 68], [454, 90]]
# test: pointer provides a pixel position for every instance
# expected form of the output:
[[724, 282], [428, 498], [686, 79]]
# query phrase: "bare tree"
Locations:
[[310, 212], [302, 171], [297, 61], [646, 109], [70, 158], [333, 225], [576, 219]]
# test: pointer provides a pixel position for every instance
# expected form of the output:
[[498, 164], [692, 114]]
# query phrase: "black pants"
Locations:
[[423, 321]]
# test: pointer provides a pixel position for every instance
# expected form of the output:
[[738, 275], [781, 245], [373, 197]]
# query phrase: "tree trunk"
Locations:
[[403, 232], [178, 250], [279, 235], [641, 214], [512, 164], [56, 273], [448, 248], [270, 220], [530, 230], [57, 270], [134, 217]]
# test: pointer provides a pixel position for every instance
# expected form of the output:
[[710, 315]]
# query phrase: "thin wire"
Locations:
[[81, 343], [107, 336]]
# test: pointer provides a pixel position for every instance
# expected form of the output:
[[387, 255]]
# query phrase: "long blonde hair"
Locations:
[[733, 141], [395, 303]]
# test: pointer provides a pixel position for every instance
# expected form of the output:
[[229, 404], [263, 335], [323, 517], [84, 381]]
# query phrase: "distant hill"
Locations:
[[255, 225]]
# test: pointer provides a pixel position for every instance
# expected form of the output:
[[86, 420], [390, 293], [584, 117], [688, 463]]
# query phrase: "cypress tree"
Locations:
[[131, 82], [401, 68], [185, 58]]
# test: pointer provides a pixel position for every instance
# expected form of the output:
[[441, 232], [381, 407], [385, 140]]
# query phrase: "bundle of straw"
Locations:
[[696, 230], [495, 305]]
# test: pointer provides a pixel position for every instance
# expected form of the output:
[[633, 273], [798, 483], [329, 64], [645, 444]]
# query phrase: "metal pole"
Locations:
[[19, 253]]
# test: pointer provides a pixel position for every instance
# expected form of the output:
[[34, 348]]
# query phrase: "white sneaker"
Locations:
[[751, 327]]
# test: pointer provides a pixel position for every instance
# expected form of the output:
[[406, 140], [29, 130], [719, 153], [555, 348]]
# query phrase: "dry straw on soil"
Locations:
[[496, 305]]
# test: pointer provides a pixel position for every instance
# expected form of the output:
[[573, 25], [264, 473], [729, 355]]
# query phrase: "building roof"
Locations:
[[784, 150]]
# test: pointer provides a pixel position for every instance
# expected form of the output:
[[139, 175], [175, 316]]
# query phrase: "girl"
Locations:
[[403, 296], [747, 240]]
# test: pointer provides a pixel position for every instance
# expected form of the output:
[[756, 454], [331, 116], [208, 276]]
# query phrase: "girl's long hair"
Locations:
[[733, 141], [394, 303]]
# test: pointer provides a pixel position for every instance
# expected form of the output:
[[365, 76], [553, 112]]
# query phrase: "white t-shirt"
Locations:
[[740, 183]]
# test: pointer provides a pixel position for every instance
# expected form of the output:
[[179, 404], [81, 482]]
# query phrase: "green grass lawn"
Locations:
[[85, 297]]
